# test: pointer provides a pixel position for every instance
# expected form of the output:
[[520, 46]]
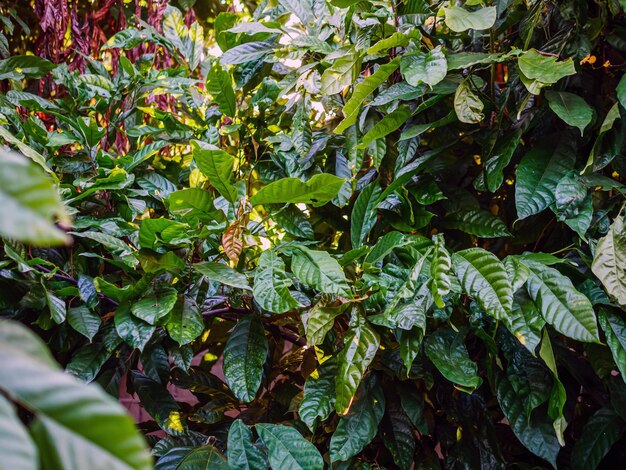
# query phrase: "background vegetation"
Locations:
[[313, 234]]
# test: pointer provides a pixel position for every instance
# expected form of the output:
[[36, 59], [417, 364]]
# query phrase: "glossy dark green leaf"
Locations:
[[484, 277], [615, 330], [560, 304], [184, 323], [222, 273], [319, 270], [134, 331], [319, 395], [359, 426], [538, 174], [244, 356], [573, 109], [600, 433], [97, 426], [286, 448], [271, 285], [364, 214], [242, 452], [319, 320], [477, 222], [84, 321], [360, 346], [217, 165], [525, 321], [155, 306], [397, 434], [446, 349]]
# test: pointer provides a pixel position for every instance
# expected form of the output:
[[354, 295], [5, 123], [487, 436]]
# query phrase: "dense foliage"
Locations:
[[314, 234]]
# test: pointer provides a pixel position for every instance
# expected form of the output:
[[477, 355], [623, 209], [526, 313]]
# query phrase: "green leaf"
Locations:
[[223, 274], [386, 125], [558, 395], [419, 67], [484, 277], [271, 285], [319, 190], [440, 267], [97, 426], [360, 346], [361, 91], [359, 426], [397, 434], [24, 66], [155, 306], [319, 320], [216, 165], [242, 453], [132, 330], [525, 321], [56, 306], [84, 321], [536, 433], [538, 175], [537, 70], [478, 222], [288, 449], [29, 203], [446, 349], [609, 261], [220, 87], [459, 19], [247, 52], [364, 213], [500, 158], [560, 304], [16, 446], [194, 206], [397, 39], [344, 72], [467, 104], [159, 404], [244, 356], [201, 458], [318, 399], [615, 331], [319, 270], [600, 433], [185, 323], [571, 108]]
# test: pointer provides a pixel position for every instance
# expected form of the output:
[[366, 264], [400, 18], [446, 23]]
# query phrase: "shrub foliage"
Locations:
[[316, 234]]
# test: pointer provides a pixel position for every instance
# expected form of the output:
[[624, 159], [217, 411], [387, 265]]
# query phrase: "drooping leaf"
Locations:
[[359, 426], [385, 126], [525, 321], [216, 165], [244, 356], [467, 104], [220, 86], [84, 321], [360, 346], [17, 448], [319, 395], [538, 70], [364, 214], [609, 262]]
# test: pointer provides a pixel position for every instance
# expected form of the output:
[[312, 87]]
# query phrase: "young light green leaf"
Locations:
[[216, 165], [320, 189], [420, 67], [244, 356], [609, 262], [538, 70], [459, 19], [386, 126], [222, 273], [467, 104], [342, 73]]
